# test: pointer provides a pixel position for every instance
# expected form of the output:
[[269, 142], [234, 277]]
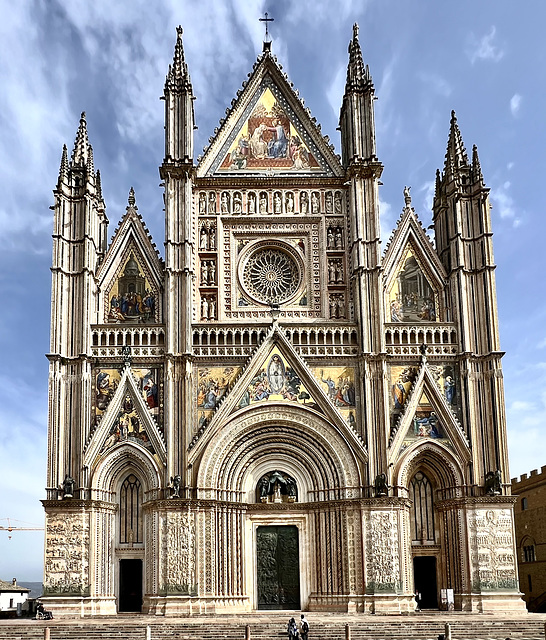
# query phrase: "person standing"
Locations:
[[304, 627], [292, 626]]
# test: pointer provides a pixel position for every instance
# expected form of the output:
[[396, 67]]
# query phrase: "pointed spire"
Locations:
[[131, 200], [63, 169], [476, 167], [456, 155], [81, 145], [358, 75], [99, 185], [178, 76]]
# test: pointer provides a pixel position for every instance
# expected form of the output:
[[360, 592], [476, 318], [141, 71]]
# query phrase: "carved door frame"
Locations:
[[255, 520]]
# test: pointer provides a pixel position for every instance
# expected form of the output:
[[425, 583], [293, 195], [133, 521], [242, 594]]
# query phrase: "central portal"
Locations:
[[278, 567]]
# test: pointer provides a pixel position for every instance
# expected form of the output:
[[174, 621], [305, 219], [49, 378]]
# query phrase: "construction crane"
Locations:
[[11, 527]]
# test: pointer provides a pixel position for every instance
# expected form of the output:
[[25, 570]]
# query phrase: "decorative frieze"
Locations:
[[382, 555], [178, 532]]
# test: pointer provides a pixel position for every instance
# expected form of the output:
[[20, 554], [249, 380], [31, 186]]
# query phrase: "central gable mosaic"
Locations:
[[270, 139]]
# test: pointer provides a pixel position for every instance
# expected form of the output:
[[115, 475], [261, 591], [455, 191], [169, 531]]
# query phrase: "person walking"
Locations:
[[304, 627]]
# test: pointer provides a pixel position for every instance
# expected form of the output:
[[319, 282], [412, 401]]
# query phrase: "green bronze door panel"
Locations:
[[278, 567]]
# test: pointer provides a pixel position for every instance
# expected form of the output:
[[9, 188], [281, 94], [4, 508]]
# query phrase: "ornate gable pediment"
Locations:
[[269, 131], [275, 375], [131, 266], [127, 420], [427, 417], [414, 277]]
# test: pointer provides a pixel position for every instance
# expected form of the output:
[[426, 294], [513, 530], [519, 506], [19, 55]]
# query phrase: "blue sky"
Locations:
[[483, 59]]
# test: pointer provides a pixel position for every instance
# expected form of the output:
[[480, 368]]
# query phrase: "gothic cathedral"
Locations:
[[277, 415]]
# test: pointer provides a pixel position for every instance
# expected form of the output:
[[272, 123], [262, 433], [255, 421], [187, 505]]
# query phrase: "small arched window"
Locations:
[[422, 520], [524, 505], [130, 511]]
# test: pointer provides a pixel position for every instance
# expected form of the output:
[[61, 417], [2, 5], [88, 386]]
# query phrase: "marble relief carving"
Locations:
[[179, 536], [382, 557], [67, 554], [492, 550]]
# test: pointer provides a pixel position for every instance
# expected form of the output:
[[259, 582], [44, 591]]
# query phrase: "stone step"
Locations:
[[473, 627]]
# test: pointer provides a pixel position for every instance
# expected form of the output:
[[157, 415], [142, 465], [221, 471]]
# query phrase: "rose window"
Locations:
[[271, 276]]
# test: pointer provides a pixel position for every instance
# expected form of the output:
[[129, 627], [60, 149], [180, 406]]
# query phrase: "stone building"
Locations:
[[530, 519], [277, 415]]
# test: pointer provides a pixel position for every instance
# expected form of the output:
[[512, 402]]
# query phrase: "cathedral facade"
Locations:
[[278, 414]]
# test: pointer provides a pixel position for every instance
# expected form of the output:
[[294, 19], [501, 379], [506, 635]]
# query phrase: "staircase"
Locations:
[[273, 627]]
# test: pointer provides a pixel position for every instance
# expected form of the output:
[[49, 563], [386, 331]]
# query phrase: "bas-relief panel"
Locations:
[[132, 297], [339, 385], [149, 383], [66, 556], [268, 140], [276, 381], [411, 298], [492, 551], [213, 384]]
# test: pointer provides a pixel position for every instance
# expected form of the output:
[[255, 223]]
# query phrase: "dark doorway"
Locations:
[[130, 585], [278, 567], [424, 577]]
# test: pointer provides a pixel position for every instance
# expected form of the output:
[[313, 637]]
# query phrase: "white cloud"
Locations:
[[515, 104], [503, 200], [484, 48]]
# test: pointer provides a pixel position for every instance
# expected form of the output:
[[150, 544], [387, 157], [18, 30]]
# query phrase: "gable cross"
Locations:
[[266, 20]]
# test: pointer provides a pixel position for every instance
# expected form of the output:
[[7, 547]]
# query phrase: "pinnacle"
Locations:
[[81, 144], [456, 155], [99, 185], [476, 167], [63, 170], [178, 75], [358, 75]]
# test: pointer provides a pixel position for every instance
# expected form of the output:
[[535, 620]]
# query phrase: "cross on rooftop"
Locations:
[[266, 20]]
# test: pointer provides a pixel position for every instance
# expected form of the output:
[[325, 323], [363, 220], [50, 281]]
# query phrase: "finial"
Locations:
[[407, 196], [355, 31], [131, 199]]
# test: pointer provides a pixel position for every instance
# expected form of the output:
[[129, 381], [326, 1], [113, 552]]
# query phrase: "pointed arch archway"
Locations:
[[124, 480], [430, 475]]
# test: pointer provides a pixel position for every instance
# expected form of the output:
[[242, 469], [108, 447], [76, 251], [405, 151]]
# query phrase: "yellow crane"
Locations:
[[11, 527]]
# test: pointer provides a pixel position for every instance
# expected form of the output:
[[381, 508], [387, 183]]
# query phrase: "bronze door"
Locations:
[[278, 567]]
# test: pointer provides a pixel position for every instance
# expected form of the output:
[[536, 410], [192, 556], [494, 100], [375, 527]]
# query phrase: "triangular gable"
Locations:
[[131, 241], [127, 420], [277, 374], [410, 256], [268, 130], [427, 416]]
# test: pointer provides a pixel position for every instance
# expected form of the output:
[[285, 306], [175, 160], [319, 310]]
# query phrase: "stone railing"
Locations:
[[109, 340], [406, 339]]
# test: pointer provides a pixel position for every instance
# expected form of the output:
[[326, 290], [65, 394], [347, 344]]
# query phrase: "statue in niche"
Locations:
[[68, 486], [493, 483], [277, 487], [380, 486], [175, 486]]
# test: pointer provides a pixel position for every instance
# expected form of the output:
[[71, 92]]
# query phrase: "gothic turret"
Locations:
[[79, 242], [177, 173], [363, 171], [464, 243]]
